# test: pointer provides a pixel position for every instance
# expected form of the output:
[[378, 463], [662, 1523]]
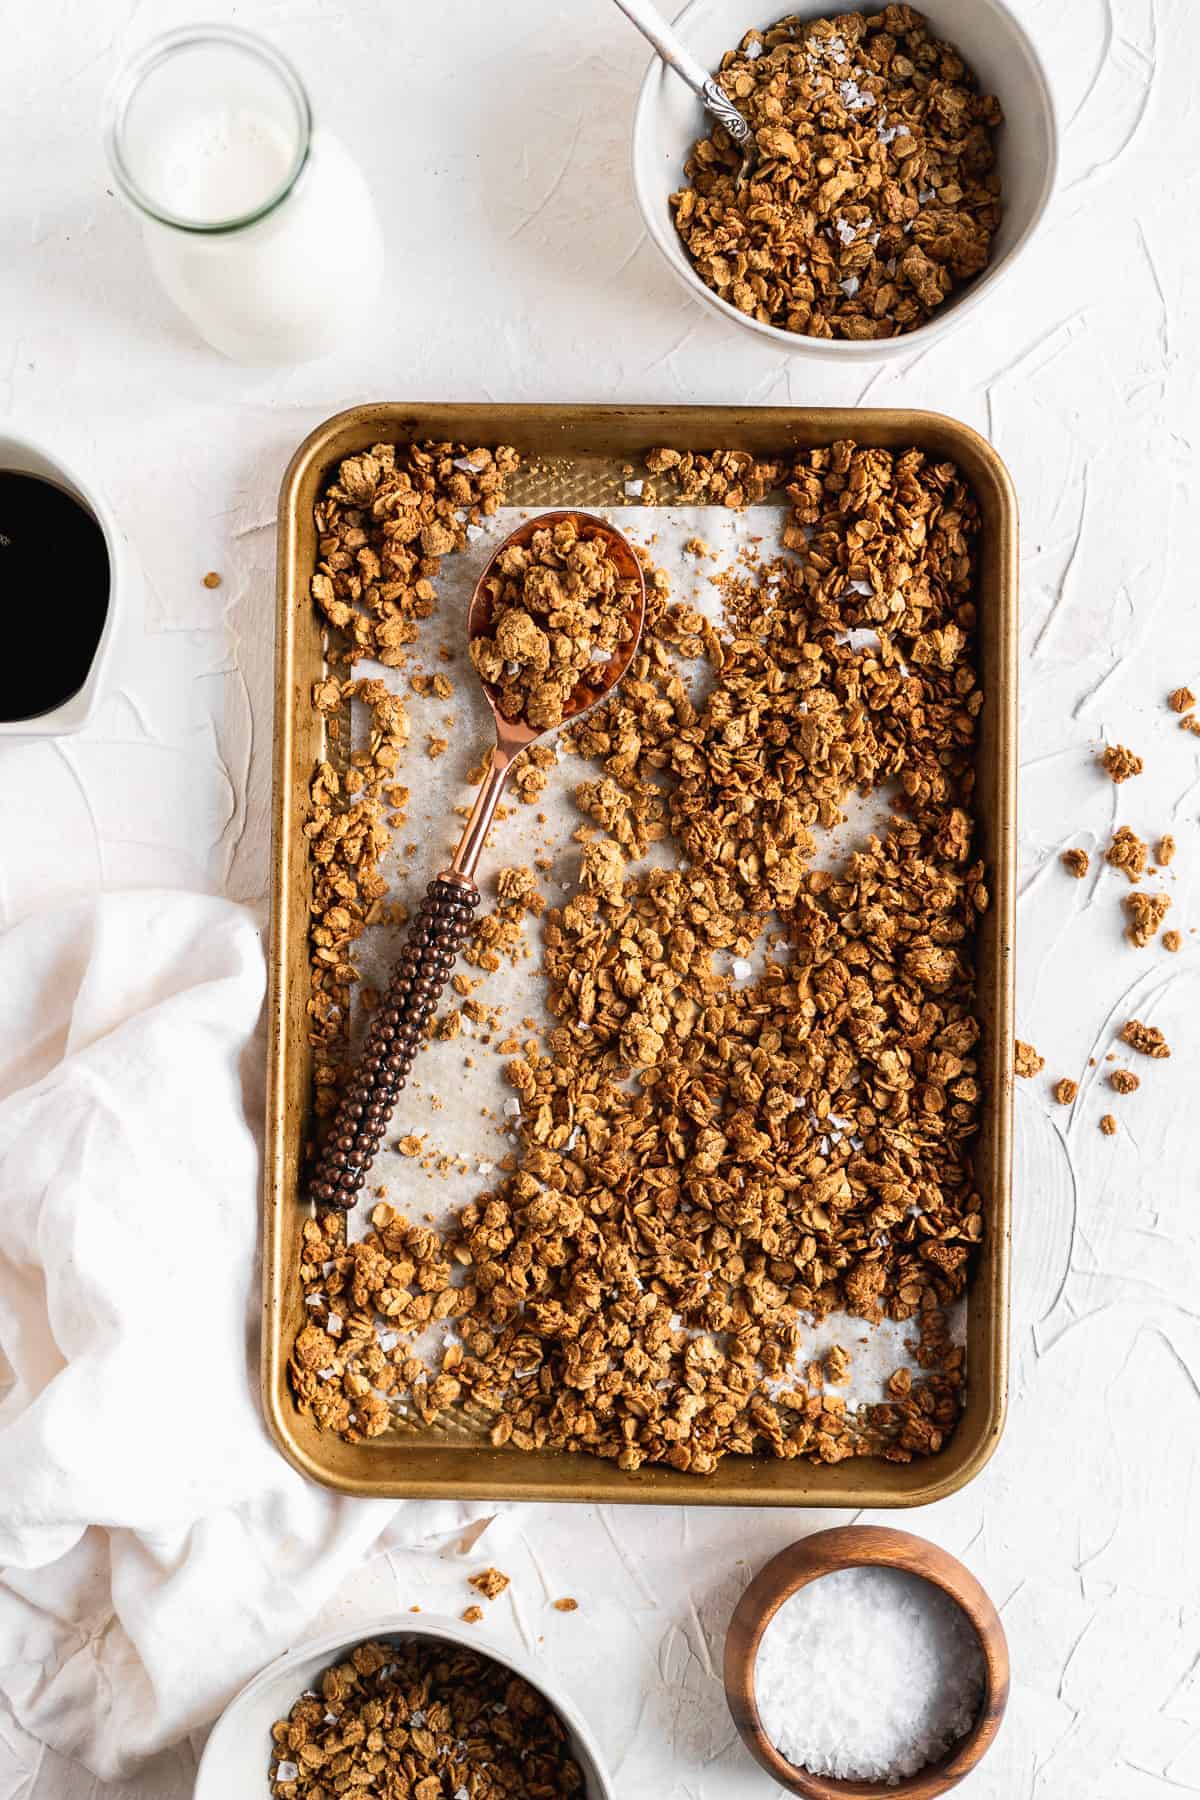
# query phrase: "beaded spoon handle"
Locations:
[[436, 934]]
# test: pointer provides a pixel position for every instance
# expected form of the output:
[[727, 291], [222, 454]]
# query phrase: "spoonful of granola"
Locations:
[[553, 624]]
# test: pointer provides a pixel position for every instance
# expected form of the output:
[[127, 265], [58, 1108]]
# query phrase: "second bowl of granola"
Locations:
[[422, 1680], [845, 243]]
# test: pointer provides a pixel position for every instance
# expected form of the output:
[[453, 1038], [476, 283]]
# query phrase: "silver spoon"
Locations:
[[707, 89]]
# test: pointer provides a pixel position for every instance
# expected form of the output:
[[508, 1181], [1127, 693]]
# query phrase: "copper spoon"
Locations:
[[436, 934]]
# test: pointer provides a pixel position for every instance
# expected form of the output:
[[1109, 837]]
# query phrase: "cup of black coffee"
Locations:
[[65, 577]]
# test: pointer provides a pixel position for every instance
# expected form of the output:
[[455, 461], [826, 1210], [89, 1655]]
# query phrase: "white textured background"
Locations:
[[495, 138]]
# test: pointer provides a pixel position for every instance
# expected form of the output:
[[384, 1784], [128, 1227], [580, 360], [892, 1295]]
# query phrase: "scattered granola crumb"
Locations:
[[1165, 850], [1027, 1062], [1121, 763], [1108, 1125], [1146, 914], [489, 1582], [1172, 941], [212, 579], [1147, 1040], [1127, 853], [1181, 700], [1076, 863], [566, 1605], [1191, 723], [472, 1615], [1065, 1091], [436, 746], [1124, 1081]]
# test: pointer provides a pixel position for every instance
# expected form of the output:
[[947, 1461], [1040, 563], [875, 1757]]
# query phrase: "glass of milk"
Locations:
[[259, 226]]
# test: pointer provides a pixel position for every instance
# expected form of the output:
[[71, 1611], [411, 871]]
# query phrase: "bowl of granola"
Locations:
[[416, 1704], [898, 172]]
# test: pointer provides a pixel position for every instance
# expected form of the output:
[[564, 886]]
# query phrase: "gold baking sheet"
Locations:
[[578, 455]]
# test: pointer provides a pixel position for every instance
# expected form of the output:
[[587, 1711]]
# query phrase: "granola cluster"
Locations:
[[710, 1155], [558, 610], [874, 195], [422, 1719], [383, 525]]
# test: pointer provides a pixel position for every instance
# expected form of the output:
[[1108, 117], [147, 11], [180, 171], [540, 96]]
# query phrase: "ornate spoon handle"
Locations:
[[676, 55], [397, 1032]]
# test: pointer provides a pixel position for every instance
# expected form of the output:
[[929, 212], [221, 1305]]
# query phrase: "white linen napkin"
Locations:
[[155, 1548]]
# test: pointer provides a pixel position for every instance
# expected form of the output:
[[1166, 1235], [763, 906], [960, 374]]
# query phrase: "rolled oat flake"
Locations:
[[868, 1674]]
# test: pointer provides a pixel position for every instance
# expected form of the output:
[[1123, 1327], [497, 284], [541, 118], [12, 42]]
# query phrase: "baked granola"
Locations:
[[706, 1161], [1108, 1125], [1147, 1040], [1146, 913], [1026, 1060], [422, 1719], [559, 609], [1127, 853], [1066, 1091], [874, 194], [1181, 700], [1076, 863], [1124, 1081], [1120, 763]]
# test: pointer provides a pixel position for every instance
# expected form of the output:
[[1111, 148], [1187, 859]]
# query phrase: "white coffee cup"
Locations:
[[23, 454]]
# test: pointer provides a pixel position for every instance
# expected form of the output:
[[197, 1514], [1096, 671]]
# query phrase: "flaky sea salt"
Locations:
[[868, 1674]]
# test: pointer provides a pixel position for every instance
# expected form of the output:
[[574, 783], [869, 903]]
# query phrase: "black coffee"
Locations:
[[54, 586]]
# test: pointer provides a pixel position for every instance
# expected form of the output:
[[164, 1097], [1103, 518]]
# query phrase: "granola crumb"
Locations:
[[472, 1615], [1127, 852], [1027, 1062], [212, 579], [566, 1605], [1164, 852], [1147, 1040], [1065, 1091], [1108, 1125], [1120, 763], [1172, 941], [1181, 700], [436, 746], [1076, 862], [1124, 1081], [489, 1582], [1146, 914]]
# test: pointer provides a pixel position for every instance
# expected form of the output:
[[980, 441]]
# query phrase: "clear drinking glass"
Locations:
[[260, 227]]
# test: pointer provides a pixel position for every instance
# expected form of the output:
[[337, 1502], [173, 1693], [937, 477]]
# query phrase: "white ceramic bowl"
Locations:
[[24, 454], [669, 119], [237, 1756]]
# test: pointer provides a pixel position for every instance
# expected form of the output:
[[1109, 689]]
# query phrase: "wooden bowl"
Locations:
[[852, 1546]]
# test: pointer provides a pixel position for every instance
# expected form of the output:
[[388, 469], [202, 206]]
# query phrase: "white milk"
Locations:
[[212, 132]]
